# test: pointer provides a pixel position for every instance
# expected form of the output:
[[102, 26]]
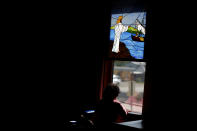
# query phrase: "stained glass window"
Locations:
[[127, 35]]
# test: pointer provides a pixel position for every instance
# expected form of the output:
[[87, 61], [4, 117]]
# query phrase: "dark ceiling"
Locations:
[[120, 6]]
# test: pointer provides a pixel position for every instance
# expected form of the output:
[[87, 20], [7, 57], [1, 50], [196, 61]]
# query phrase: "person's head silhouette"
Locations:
[[111, 92]]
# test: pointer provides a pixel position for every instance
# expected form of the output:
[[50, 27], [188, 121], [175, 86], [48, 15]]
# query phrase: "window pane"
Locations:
[[127, 35], [129, 76]]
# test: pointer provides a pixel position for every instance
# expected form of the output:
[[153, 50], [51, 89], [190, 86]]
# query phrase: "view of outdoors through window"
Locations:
[[129, 76]]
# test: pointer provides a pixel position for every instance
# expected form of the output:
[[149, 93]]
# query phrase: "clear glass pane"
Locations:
[[130, 76]]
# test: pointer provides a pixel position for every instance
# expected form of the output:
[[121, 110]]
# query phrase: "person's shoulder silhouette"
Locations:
[[109, 109]]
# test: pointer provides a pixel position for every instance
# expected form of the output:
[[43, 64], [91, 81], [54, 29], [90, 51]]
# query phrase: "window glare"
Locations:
[[129, 76]]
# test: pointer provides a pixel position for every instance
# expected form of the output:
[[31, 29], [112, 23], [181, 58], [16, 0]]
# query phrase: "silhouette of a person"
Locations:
[[109, 110]]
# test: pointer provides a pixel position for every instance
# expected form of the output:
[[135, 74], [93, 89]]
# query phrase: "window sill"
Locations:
[[135, 125], [134, 116]]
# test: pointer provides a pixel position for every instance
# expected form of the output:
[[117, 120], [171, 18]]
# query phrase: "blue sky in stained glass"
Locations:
[[136, 48]]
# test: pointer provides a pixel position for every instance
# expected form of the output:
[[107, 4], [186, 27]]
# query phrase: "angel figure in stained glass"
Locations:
[[119, 28]]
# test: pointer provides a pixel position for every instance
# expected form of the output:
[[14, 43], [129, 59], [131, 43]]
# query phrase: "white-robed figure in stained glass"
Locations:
[[119, 28]]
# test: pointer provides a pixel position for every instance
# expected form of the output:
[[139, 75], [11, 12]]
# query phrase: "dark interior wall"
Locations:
[[73, 52], [169, 94], [58, 58]]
